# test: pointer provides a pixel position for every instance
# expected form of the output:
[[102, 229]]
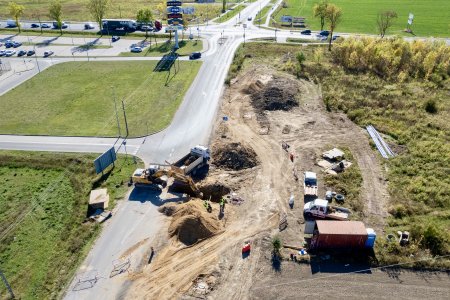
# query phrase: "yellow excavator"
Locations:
[[156, 176]]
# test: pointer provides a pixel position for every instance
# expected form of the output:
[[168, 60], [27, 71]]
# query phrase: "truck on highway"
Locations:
[[118, 25], [310, 184], [320, 209], [197, 157]]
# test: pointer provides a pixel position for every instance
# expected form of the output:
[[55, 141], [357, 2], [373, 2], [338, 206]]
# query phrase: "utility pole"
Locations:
[[125, 117], [8, 287], [115, 108]]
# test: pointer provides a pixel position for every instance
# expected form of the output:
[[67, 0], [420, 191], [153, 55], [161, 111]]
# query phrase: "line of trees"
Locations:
[[328, 13], [394, 58]]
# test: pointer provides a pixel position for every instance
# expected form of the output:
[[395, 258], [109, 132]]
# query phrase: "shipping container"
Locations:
[[339, 235]]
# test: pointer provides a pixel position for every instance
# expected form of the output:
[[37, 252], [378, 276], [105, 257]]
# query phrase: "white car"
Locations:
[[10, 52], [48, 53], [2, 52], [136, 49]]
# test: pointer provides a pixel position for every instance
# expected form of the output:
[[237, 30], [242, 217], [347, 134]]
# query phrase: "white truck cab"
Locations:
[[202, 151], [320, 209]]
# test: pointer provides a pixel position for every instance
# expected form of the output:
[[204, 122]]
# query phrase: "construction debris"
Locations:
[[333, 154], [381, 145], [99, 199], [278, 94]]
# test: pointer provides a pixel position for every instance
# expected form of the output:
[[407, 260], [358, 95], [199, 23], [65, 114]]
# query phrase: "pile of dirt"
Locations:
[[234, 156], [192, 223], [214, 191], [277, 94]]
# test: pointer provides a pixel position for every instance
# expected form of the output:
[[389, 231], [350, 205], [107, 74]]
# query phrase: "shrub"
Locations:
[[431, 106]]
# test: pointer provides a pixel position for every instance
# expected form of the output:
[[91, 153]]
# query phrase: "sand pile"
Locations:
[[234, 156], [278, 94], [192, 223]]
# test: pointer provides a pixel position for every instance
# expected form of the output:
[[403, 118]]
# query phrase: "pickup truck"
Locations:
[[197, 157], [320, 209], [310, 184]]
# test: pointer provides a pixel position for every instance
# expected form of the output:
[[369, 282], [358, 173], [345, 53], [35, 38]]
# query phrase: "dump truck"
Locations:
[[197, 157], [310, 184], [341, 235], [320, 209]]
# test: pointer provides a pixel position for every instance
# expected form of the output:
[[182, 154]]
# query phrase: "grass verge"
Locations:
[[43, 203], [231, 13], [261, 16], [430, 17], [186, 48], [81, 101]]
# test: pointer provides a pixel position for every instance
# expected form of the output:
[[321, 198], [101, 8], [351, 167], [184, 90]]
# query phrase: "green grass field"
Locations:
[[186, 48], [431, 18], [76, 99], [43, 203]]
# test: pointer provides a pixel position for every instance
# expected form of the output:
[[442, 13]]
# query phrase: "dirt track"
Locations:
[[214, 267]]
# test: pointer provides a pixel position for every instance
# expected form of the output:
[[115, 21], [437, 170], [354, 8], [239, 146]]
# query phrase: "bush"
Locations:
[[431, 106], [432, 237]]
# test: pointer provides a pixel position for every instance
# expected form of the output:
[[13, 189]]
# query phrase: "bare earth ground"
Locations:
[[214, 268]]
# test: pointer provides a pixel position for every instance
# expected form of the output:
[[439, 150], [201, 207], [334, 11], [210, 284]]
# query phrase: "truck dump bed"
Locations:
[[311, 190]]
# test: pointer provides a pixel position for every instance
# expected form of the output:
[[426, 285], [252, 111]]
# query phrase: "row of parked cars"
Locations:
[[323, 35], [14, 44]]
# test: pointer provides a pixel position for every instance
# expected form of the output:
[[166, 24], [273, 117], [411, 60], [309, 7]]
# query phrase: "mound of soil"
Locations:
[[214, 191], [278, 94], [234, 156], [192, 223]]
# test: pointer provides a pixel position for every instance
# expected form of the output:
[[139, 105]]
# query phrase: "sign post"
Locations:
[[175, 18]]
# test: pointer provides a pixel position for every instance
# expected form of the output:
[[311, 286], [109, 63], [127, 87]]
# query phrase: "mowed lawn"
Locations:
[[431, 17], [43, 204], [186, 47], [77, 99]]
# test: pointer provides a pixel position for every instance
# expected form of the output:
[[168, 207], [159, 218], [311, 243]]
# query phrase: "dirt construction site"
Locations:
[[198, 253]]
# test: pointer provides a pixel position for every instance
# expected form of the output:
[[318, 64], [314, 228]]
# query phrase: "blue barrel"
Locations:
[[371, 237]]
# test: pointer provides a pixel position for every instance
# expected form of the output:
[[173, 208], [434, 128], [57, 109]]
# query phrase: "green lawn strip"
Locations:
[[231, 13], [299, 40], [77, 99], [431, 18], [85, 34], [44, 196], [260, 17], [186, 48]]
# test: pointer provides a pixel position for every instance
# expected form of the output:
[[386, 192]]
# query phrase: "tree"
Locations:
[[16, 11], [385, 20], [185, 25], [161, 8], [320, 11], [333, 16], [276, 246], [98, 9], [224, 3], [145, 16], [55, 13]]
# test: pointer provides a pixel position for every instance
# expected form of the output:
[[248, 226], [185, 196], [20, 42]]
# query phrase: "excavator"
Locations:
[[154, 177]]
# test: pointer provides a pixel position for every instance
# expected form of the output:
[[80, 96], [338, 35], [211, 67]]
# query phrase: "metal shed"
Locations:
[[338, 234]]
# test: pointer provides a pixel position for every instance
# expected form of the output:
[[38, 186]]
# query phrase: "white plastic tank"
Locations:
[[371, 237]]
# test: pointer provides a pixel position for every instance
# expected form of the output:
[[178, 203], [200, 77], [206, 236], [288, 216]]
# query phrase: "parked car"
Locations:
[[56, 26], [115, 38], [2, 52], [10, 52], [306, 32], [9, 44], [321, 37], [88, 26], [249, 18], [324, 33], [336, 37], [136, 49], [16, 44], [21, 53], [48, 53], [195, 55], [45, 26], [34, 25], [146, 27], [30, 52]]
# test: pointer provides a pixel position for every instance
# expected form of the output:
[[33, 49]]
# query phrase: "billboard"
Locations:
[[188, 10], [174, 9], [286, 19], [175, 21], [105, 160], [173, 3], [174, 16]]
